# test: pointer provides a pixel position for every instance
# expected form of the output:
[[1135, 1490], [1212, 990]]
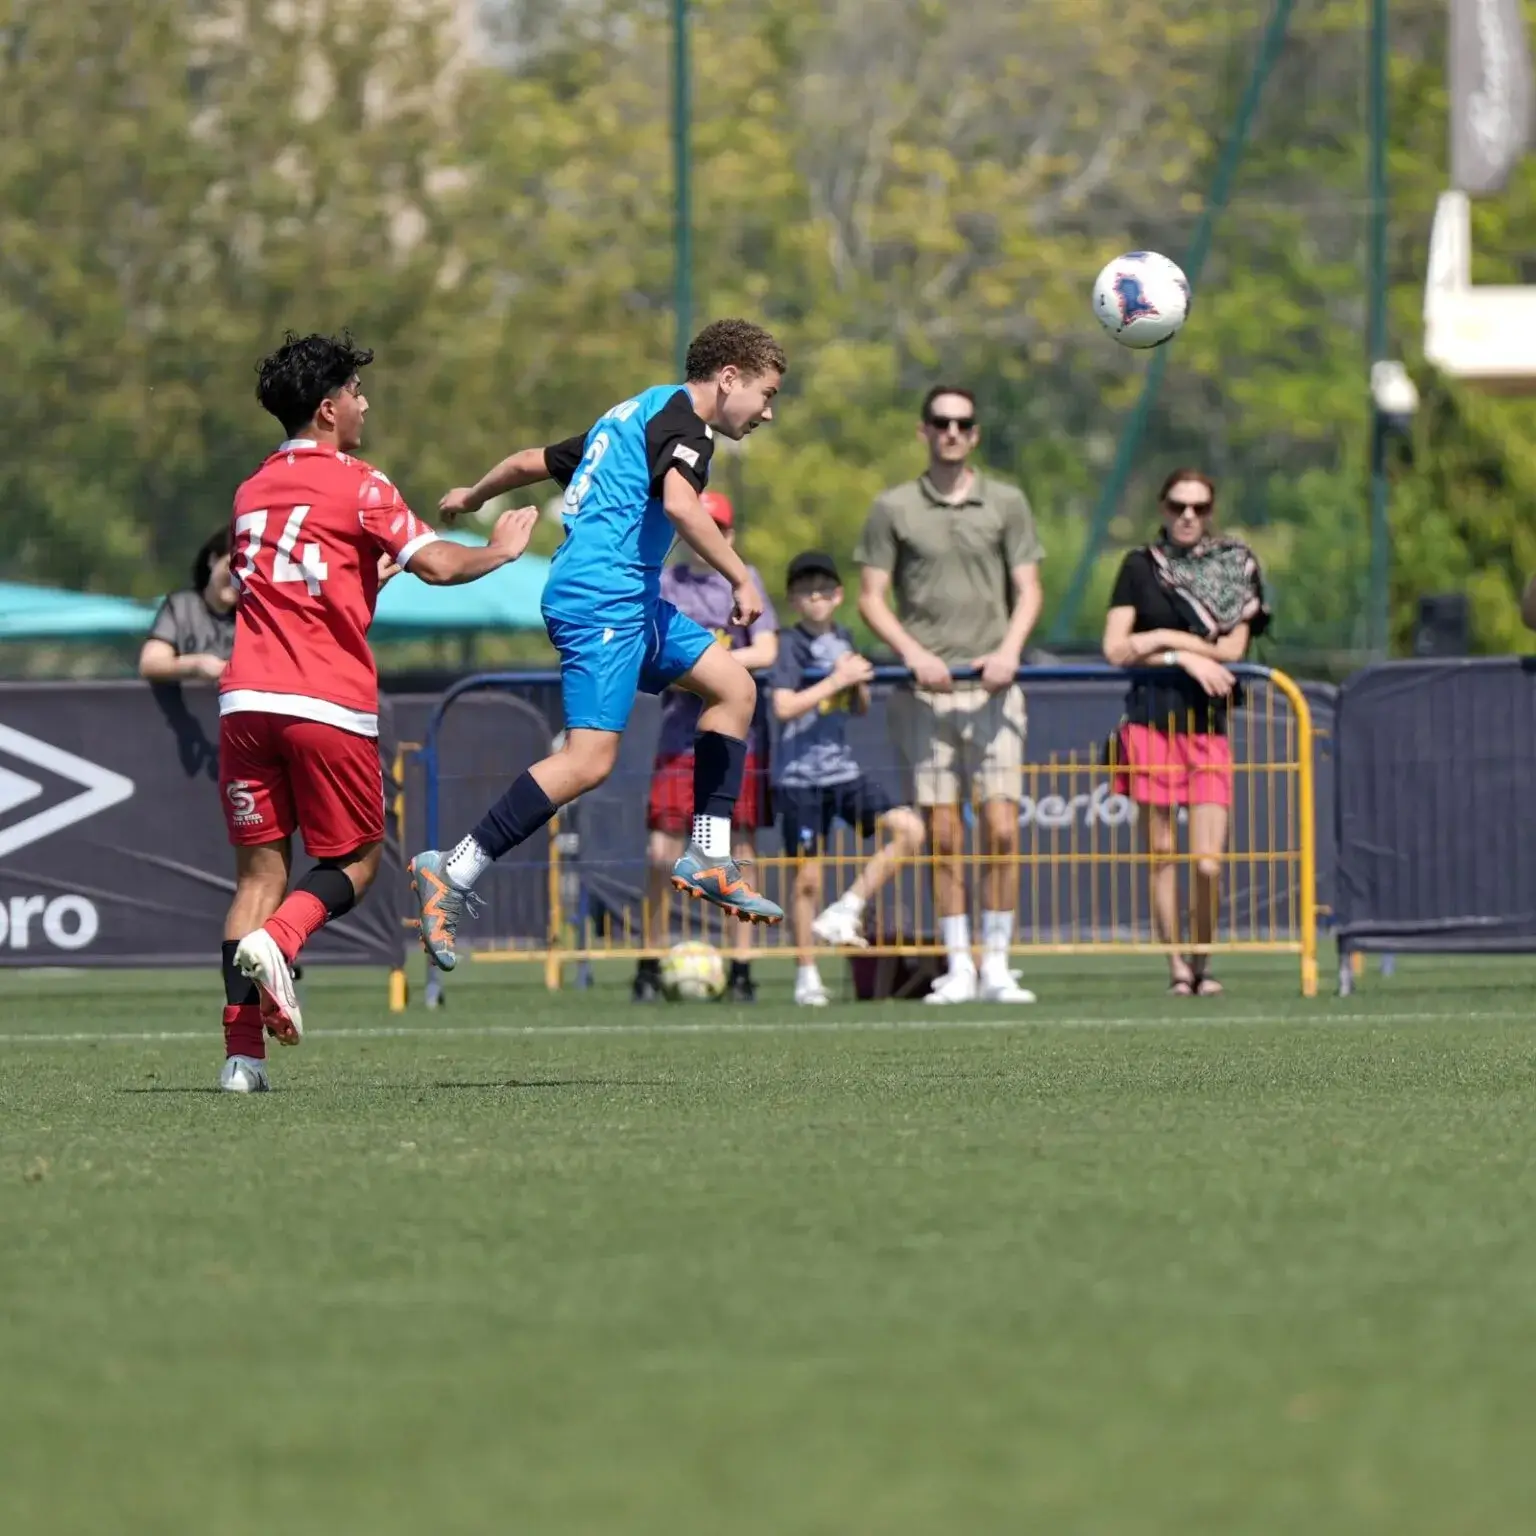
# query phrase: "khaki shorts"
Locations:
[[961, 746]]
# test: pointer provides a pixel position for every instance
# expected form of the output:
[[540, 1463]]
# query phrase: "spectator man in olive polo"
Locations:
[[958, 551]]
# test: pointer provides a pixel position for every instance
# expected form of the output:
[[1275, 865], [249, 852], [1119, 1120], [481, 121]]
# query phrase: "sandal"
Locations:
[[1208, 986], [1181, 986]]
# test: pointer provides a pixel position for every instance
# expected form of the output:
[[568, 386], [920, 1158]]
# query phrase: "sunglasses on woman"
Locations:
[[1199, 508]]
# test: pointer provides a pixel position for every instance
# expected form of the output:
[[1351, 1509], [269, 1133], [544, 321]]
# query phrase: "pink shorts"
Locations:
[[1174, 769]]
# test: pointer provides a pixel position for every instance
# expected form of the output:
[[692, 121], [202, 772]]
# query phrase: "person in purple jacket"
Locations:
[[705, 597]]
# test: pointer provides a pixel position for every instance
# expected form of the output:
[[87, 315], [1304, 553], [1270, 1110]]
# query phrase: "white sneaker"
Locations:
[[811, 994], [954, 987], [244, 1074], [1002, 986], [840, 927], [259, 959]]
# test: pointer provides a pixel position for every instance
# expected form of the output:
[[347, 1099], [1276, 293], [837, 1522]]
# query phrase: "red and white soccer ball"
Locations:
[[1141, 299]]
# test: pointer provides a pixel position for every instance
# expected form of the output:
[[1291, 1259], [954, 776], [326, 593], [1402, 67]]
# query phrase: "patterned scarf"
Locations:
[[1216, 581]]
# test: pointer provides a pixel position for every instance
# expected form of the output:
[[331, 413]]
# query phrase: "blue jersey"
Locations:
[[617, 534]]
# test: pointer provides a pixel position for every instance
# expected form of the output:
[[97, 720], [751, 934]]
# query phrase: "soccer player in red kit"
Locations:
[[315, 531]]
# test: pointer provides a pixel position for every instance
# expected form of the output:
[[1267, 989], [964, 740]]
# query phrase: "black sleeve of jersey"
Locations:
[[561, 459], [1131, 584], [675, 438]]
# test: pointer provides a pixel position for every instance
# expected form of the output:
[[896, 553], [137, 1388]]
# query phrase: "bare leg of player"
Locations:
[[277, 925], [443, 883], [261, 882]]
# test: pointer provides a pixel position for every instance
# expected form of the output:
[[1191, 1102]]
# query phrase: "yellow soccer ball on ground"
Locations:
[[692, 972]]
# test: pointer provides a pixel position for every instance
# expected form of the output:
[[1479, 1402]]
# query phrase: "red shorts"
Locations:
[[1176, 769], [279, 774], [671, 806]]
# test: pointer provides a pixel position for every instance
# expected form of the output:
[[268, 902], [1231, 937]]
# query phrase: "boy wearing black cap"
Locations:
[[817, 780]]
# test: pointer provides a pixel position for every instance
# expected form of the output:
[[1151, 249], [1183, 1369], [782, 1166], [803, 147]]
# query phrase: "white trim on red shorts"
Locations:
[[301, 706]]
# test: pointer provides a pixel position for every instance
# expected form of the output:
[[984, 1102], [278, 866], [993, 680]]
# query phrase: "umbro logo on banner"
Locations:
[[99, 788]]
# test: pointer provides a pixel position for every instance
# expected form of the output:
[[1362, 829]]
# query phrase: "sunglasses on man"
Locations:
[[959, 423]]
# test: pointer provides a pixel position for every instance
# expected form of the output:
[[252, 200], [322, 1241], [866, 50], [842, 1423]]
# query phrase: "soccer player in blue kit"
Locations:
[[631, 482]]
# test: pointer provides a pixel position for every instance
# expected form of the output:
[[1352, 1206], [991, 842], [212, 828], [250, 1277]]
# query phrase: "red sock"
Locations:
[[243, 1034], [302, 914]]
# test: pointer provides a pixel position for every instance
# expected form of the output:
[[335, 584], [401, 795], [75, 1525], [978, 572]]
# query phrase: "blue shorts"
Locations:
[[603, 666], [805, 815]]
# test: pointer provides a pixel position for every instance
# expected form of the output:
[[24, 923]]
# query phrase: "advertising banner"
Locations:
[[1437, 843], [112, 839]]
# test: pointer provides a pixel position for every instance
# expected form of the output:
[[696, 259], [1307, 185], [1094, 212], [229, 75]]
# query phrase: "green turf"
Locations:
[[1120, 1265]]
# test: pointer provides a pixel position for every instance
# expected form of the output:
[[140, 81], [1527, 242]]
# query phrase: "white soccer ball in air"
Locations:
[[1141, 299], [692, 972]]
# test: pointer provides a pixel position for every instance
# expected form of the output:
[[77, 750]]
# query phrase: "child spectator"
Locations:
[[816, 778]]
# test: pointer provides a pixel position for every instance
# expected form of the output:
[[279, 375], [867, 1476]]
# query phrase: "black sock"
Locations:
[[331, 888], [515, 817], [719, 765], [649, 965], [238, 991], [741, 970]]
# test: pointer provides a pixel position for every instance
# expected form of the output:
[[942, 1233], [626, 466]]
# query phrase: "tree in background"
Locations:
[[905, 191]]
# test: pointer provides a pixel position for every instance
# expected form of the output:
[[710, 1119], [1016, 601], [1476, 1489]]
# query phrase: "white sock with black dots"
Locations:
[[712, 836], [466, 864]]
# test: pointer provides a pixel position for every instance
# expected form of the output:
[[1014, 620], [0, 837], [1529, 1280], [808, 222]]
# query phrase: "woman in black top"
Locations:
[[194, 631], [1189, 602]]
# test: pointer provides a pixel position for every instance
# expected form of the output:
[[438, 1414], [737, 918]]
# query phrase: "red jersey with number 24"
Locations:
[[309, 527]]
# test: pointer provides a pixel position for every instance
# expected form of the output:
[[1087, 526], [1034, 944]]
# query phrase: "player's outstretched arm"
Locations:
[[526, 467], [699, 532], [443, 564]]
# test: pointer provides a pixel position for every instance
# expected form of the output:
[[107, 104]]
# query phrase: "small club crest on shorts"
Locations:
[[242, 803]]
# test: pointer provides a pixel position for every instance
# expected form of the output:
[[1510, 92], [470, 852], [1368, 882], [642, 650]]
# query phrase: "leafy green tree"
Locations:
[[905, 192]]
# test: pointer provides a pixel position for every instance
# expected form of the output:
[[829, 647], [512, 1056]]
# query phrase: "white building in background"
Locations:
[[1482, 333]]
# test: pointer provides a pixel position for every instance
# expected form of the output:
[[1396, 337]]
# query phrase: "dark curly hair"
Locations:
[[292, 381], [725, 342], [215, 547]]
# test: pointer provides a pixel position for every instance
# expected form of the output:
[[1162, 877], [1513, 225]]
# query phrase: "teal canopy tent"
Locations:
[[47, 613], [506, 599]]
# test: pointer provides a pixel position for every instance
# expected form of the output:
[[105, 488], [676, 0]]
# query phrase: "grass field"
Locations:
[[1116, 1265]]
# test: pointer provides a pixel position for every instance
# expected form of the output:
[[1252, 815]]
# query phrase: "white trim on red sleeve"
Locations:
[[421, 541]]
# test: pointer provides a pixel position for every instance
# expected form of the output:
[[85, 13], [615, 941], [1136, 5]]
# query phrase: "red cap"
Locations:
[[719, 508]]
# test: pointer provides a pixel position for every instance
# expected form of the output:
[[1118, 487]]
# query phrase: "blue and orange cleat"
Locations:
[[440, 907], [721, 881]]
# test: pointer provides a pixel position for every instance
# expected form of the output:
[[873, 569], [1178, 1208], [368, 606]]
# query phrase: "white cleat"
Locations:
[[954, 987], [244, 1074], [259, 959], [1003, 987], [811, 994], [839, 928]]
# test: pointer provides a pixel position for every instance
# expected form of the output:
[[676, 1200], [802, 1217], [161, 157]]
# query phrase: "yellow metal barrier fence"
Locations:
[[1094, 870]]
